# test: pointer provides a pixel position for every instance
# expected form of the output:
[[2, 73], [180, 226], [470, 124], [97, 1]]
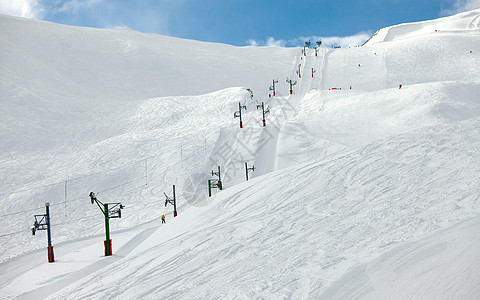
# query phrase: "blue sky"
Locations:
[[242, 22]]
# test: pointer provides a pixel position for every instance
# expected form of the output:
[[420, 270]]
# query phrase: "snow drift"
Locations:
[[358, 191]]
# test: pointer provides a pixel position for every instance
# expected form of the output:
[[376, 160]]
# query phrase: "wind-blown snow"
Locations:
[[364, 192]]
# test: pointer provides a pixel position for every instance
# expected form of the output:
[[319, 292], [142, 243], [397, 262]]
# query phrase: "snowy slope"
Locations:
[[419, 57], [293, 233], [358, 192], [57, 75], [77, 107], [447, 257], [462, 22]]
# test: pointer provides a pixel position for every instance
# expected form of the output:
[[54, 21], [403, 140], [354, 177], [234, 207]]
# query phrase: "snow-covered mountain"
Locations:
[[361, 189]]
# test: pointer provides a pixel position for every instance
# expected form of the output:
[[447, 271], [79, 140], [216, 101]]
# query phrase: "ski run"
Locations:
[[366, 177]]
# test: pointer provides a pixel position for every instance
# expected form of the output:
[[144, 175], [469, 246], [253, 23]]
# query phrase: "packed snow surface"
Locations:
[[361, 189]]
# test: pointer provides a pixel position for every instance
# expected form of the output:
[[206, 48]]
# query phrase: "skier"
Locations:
[[400, 86], [163, 219]]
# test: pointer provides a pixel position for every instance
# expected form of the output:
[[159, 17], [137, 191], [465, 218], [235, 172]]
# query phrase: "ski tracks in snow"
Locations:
[[74, 277], [442, 264]]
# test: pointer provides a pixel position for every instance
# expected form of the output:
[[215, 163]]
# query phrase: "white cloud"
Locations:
[[251, 42], [344, 42], [275, 43], [74, 6], [35, 9], [458, 6], [31, 9], [120, 26], [270, 42]]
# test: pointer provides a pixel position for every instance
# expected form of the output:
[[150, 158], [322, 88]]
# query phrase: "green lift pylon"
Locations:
[[42, 222], [113, 212], [307, 45], [292, 83], [272, 88], [215, 183]]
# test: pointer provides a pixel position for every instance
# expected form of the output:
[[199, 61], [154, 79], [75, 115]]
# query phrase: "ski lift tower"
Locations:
[[307, 45], [42, 222], [247, 169], [114, 211], [272, 88], [264, 112], [172, 201], [215, 183], [292, 83], [239, 113]]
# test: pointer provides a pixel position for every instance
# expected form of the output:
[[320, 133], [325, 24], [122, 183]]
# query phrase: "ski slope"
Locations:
[[368, 192]]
